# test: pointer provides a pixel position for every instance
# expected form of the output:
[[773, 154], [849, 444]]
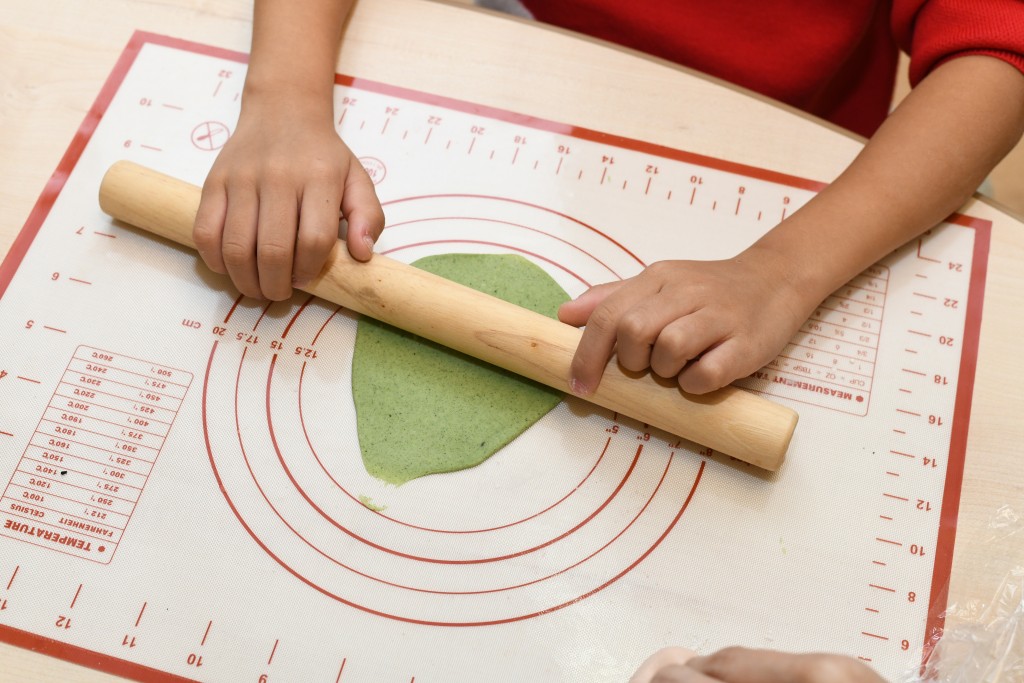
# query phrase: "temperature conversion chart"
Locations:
[[183, 493]]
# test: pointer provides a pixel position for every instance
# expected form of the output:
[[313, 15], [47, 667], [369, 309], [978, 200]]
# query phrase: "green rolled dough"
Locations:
[[422, 408]]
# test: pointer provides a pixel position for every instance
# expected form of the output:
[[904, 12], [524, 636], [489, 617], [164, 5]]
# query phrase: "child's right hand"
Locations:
[[269, 214]]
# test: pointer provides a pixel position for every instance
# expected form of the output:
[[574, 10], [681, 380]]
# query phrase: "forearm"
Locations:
[[923, 163], [294, 51]]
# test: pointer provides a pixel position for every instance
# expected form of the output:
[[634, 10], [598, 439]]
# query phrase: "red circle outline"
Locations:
[[395, 617]]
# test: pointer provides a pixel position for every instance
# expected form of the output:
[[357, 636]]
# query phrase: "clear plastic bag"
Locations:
[[983, 641]]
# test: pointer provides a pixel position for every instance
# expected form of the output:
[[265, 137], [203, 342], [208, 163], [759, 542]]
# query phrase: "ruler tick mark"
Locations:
[[871, 609], [11, 582], [104, 234], [84, 282], [882, 588], [206, 633], [874, 635], [272, 651], [894, 496], [890, 542], [140, 614], [75, 599], [26, 379], [341, 671], [54, 329]]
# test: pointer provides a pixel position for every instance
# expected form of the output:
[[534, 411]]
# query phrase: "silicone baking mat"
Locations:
[[184, 492]]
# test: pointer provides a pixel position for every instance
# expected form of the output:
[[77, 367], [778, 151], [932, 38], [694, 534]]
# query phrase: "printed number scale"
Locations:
[[185, 496]]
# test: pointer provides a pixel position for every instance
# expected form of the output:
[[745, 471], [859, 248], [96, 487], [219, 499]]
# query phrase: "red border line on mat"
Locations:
[[943, 567]]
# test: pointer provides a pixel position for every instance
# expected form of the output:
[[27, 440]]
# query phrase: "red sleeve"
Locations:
[[932, 31]]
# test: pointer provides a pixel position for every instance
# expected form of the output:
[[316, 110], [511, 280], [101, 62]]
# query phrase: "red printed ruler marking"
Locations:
[[84, 469], [831, 361]]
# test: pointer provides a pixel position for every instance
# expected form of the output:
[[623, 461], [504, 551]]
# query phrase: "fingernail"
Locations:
[[368, 241], [299, 283], [578, 387]]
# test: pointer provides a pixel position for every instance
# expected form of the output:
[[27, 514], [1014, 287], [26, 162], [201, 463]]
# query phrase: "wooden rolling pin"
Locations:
[[730, 420]]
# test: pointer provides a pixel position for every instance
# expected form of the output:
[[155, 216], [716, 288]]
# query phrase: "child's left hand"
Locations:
[[706, 322]]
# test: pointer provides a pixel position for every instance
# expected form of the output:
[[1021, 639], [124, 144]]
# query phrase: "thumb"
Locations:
[[362, 210], [577, 312]]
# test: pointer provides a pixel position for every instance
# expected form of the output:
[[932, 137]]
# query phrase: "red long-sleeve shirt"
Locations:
[[836, 59]]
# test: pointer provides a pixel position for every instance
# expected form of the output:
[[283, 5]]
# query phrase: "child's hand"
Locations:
[[269, 214], [740, 665], [707, 322]]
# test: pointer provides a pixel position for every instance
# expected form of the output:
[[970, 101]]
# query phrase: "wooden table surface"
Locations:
[[56, 54]]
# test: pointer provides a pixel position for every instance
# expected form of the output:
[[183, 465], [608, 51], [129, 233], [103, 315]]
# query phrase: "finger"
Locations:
[[362, 210], [577, 311], [659, 660], [318, 231], [678, 673], [740, 665], [598, 339], [208, 228], [641, 326], [721, 364], [238, 246], [684, 339], [275, 241]]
